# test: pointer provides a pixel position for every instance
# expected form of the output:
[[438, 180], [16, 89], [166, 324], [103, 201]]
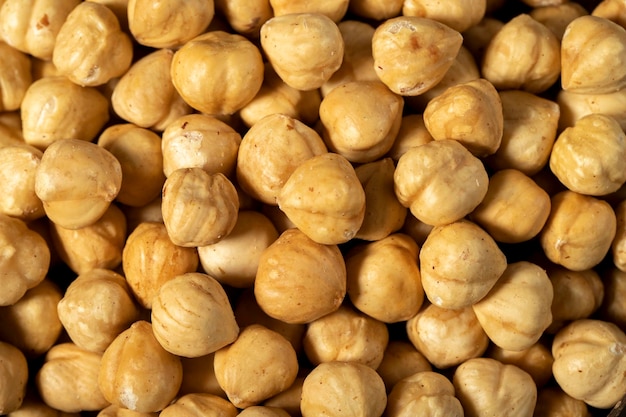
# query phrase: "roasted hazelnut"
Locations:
[[13, 378], [423, 393]]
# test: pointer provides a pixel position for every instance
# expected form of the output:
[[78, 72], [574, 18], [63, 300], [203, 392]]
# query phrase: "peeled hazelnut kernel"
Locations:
[[15, 77], [514, 209], [523, 55], [346, 335], [199, 404], [575, 106], [18, 168], [252, 234], [477, 38], [324, 198], [32, 323], [613, 308], [13, 378], [258, 365], [412, 54], [305, 49], [244, 16], [96, 307], [98, 245], [25, 259], [33, 29], [360, 120], [516, 311], [423, 393], [333, 9], [77, 181], [269, 153], [289, 284], [91, 48], [117, 411], [412, 133], [553, 402], [537, 360], [590, 362], [217, 72], [168, 24], [440, 181], [150, 259], [199, 141], [384, 279], [68, 379], [263, 411], [579, 230], [199, 376], [470, 113], [137, 373], [138, 150], [612, 10], [192, 317], [590, 157], [485, 385], [54, 108], [145, 95], [447, 337], [592, 56], [460, 15], [529, 131], [289, 399], [333, 388], [618, 246], [375, 9], [459, 264], [556, 17], [400, 360]]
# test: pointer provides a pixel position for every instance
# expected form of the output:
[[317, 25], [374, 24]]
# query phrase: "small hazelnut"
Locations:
[[423, 393], [13, 378]]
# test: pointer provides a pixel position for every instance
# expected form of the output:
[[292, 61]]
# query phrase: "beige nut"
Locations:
[[589, 362], [553, 402], [199, 404], [412, 133], [244, 16], [400, 360], [289, 284], [77, 181], [137, 373], [575, 106], [460, 15], [412, 54], [324, 198], [440, 181], [618, 246], [537, 360], [15, 77], [423, 393], [375, 9], [258, 365], [612, 10], [333, 9], [18, 168], [96, 307], [13, 379], [612, 308], [263, 411], [556, 17], [199, 376], [114, 410], [305, 49], [191, 316]]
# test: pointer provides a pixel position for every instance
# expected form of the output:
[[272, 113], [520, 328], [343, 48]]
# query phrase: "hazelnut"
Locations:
[[423, 393], [556, 17], [15, 77], [199, 404], [244, 16], [412, 133], [18, 168], [199, 376], [553, 402], [263, 411], [400, 360], [612, 308], [460, 15], [575, 106], [537, 360], [333, 9], [13, 379], [375, 9]]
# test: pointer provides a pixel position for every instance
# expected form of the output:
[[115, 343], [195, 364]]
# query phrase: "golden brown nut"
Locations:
[[168, 24], [199, 376], [590, 157], [25, 260], [145, 95], [68, 379], [618, 246], [440, 181], [376, 9], [77, 181], [32, 324], [217, 72], [263, 411], [612, 10], [252, 234], [200, 141], [514, 209], [289, 399], [517, 309], [324, 198], [477, 38], [487, 386], [384, 279], [447, 337], [333, 9], [258, 365], [198, 208], [199, 404], [91, 47], [590, 362], [557, 17], [592, 55], [96, 307], [137, 373], [18, 167], [269, 153], [613, 308], [575, 106], [32, 26], [470, 113], [423, 393], [117, 411], [346, 335], [78, 112], [341, 389], [460, 15], [412, 133], [244, 16], [579, 231], [150, 259], [459, 263], [529, 131], [400, 360], [289, 284], [537, 360], [553, 402], [13, 378], [412, 54], [98, 245], [523, 55], [191, 316], [15, 77], [360, 120]]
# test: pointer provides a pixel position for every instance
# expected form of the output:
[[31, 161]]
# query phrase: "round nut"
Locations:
[[575, 106], [556, 17], [263, 411], [400, 360], [612, 308], [552, 401], [15, 77], [460, 15], [245, 16], [423, 393], [374, 9], [13, 378], [199, 404], [18, 168], [537, 360], [333, 9], [199, 376]]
